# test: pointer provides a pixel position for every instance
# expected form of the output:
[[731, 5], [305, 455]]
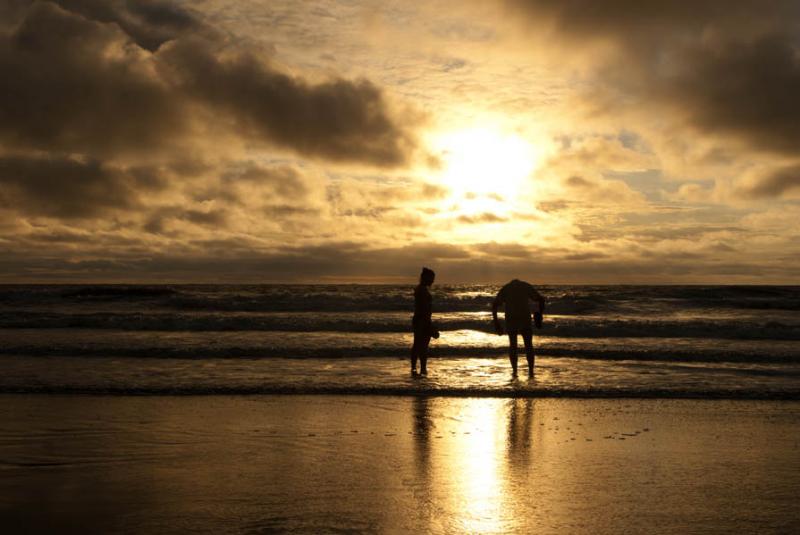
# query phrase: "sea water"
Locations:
[[633, 341]]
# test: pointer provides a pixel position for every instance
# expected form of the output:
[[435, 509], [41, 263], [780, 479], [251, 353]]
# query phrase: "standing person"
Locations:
[[423, 326], [517, 295]]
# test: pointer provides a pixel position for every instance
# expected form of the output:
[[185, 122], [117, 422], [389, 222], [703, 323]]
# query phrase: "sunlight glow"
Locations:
[[482, 163]]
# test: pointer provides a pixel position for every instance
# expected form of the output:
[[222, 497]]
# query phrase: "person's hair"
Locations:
[[427, 276]]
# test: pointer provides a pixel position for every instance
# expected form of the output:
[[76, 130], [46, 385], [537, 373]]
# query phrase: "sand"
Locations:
[[319, 464]]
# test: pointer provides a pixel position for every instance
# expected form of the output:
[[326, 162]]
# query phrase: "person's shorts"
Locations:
[[518, 324], [422, 330], [523, 332]]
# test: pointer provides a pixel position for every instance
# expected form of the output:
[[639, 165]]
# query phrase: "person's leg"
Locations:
[[414, 353], [512, 350], [423, 355], [527, 338]]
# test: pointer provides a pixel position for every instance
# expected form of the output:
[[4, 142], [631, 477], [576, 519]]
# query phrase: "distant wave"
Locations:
[[565, 327], [564, 300], [124, 292]]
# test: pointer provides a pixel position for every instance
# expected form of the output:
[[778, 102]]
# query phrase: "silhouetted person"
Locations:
[[423, 326], [517, 295]]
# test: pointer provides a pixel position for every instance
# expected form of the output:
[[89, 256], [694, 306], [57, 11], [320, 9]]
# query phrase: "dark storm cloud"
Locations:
[[63, 89], [150, 23], [72, 188], [745, 89], [337, 120], [104, 78], [731, 68], [774, 184]]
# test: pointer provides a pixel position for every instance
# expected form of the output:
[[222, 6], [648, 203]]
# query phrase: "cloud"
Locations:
[[598, 190], [73, 188], [485, 217], [745, 89], [719, 71], [143, 140], [72, 84], [237, 260], [623, 153], [106, 79], [150, 23], [338, 120], [651, 24], [159, 220], [284, 181], [781, 182], [351, 196], [694, 193]]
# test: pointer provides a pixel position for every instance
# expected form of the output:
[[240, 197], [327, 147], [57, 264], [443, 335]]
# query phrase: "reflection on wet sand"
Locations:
[[377, 464], [520, 422], [423, 491], [471, 465]]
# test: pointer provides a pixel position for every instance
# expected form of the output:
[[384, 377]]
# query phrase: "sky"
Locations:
[[561, 142]]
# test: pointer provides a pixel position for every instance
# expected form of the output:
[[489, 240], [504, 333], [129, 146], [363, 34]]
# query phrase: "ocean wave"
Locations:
[[119, 292], [653, 352], [563, 300], [566, 327]]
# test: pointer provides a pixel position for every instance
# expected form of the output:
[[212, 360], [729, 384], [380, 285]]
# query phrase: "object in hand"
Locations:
[[435, 334]]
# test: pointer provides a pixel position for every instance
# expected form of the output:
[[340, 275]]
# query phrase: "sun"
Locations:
[[488, 163]]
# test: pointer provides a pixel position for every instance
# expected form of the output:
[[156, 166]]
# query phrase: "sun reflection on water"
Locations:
[[477, 477], [474, 458]]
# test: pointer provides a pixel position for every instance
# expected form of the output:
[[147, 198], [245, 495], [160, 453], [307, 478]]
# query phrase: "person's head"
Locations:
[[426, 277]]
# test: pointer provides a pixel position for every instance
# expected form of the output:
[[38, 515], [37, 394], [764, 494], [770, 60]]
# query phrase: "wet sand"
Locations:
[[319, 464], [467, 377]]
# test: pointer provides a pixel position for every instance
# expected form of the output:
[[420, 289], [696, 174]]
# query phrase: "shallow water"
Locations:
[[647, 341], [377, 464], [553, 377]]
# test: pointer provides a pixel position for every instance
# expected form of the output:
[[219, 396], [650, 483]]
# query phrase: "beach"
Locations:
[[291, 409], [377, 464]]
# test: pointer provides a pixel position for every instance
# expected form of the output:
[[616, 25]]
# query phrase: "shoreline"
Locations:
[[479, 377], [406, 393]]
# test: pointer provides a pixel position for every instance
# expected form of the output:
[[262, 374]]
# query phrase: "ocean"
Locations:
[[596, 341]]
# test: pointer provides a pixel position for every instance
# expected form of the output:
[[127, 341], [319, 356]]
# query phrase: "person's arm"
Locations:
[[434, 331], [496, 303], [539, 315], [539, 298]]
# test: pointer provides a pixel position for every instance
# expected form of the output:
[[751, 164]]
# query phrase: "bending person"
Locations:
[[517, 296], [423, 326]]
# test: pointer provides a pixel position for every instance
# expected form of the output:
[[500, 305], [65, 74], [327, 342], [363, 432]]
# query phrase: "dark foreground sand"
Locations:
[[322, 464]]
